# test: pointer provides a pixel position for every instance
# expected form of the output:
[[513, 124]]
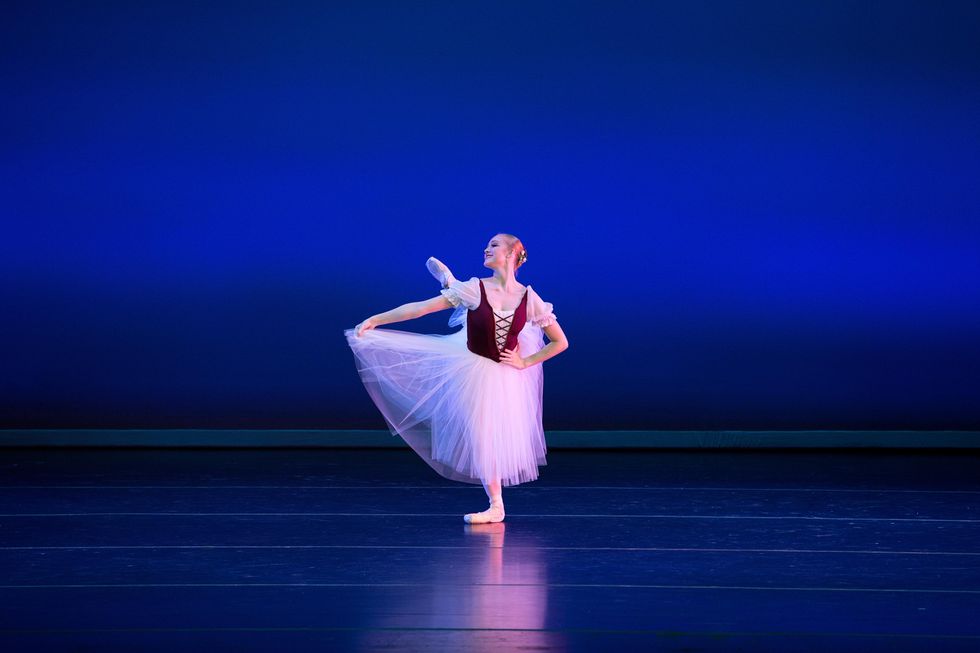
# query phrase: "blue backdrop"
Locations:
[[747, 215]]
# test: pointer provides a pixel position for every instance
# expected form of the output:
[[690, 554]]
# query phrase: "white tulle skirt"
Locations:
[[469, 417]]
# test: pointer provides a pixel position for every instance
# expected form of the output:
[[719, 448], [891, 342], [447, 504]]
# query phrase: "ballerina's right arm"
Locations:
[[408, 311]]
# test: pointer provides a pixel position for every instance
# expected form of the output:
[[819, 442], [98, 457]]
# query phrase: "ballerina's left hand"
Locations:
[[512, 357]]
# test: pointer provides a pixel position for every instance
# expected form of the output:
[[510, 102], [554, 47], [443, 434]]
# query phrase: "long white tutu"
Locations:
[[469, 417]]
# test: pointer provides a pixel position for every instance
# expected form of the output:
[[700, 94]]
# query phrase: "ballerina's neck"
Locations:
[[498, 293]]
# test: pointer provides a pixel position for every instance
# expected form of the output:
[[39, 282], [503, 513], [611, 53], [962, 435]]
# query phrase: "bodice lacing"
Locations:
[[502, 325]]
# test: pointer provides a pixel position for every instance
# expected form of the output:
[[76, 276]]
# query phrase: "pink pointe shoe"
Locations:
[[439, 270], [492, 515]]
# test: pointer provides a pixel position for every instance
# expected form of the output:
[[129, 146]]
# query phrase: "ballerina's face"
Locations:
[[495, 253]]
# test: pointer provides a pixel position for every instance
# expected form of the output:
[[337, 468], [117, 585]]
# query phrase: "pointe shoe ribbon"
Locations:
[[439, 270]]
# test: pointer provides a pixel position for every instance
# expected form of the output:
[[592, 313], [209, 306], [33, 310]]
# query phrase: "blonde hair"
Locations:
[[516, 248]]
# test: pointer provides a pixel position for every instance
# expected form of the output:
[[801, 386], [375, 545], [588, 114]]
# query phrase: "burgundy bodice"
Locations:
[[482, 327]]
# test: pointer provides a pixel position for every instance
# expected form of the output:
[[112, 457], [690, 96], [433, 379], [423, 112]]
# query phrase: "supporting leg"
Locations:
[[495, 513], [494, 491]]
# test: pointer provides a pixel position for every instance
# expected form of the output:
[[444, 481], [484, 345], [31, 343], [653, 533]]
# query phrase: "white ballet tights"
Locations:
[[495, 513]]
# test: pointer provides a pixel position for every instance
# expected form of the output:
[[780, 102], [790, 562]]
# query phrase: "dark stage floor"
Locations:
[[323, 550]]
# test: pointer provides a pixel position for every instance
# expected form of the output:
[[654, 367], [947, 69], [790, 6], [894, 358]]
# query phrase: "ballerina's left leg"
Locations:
[[495, 513]]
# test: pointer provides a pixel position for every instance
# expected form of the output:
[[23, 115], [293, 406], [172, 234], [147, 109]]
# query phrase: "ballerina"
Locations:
[[468, 403]]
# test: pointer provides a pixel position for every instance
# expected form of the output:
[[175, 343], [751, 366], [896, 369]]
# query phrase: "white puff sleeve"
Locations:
[[539, 312], [465, 293]]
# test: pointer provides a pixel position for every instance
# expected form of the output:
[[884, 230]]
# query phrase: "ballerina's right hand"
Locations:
[[363, 326]]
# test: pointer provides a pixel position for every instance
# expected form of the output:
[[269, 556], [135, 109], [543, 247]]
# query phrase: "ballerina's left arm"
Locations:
[[558, 343]]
